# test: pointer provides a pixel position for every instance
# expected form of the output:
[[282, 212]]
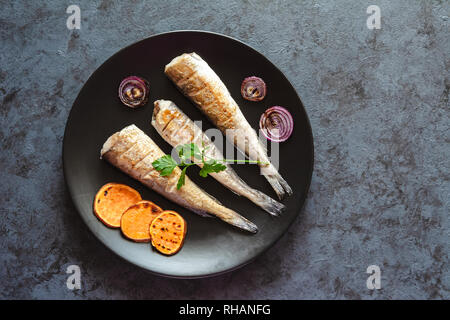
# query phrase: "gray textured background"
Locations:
[[378, 101]]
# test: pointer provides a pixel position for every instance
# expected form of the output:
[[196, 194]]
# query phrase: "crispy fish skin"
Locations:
[[177, 129], [197, 81], [132, 151]]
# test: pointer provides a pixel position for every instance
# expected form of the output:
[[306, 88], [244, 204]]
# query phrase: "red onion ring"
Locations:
[[133, 91], [253, 89], [276, 124]]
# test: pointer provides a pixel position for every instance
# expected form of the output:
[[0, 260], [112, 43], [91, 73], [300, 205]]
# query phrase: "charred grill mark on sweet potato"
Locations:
[[167, 232]]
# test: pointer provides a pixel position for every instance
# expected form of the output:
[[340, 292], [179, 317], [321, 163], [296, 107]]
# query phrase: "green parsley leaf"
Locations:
[[182, 178], [211, 166], [165, 165]]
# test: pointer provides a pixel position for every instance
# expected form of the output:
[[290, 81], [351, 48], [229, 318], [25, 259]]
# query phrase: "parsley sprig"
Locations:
[[188, 154]]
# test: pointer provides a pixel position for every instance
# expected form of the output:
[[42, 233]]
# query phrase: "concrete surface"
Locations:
[[378, 101]]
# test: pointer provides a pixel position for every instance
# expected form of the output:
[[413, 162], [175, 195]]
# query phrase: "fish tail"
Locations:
[[239, 187], [242, 223], [280, 185], [270, 205], [235, 219], [215, 208]]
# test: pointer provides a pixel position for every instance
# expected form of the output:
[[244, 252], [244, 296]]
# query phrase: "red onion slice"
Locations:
[[133, 91], [253, 89], [276, 124]]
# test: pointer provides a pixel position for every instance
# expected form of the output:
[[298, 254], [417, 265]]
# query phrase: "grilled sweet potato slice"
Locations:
[[136, 220], [167, 232], [112, 200]]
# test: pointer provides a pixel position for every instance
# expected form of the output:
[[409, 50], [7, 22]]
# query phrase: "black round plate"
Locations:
[[211, 246]]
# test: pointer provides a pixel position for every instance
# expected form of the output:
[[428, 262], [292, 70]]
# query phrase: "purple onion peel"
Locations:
[[276, 124], [133, 91], [253, 89]]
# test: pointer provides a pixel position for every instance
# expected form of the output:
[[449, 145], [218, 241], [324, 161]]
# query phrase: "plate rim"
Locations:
[[142, 266]]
